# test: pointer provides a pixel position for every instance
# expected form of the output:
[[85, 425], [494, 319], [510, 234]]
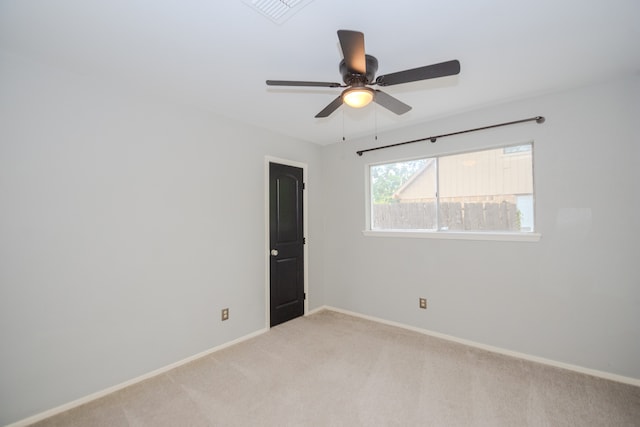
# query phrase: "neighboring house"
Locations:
[[491, 189], [487, 176]]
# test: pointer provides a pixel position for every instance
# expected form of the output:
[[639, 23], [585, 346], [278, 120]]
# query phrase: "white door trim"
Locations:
[[267, 249]]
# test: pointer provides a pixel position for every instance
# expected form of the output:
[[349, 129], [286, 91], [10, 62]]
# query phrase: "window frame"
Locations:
[[515, 236]]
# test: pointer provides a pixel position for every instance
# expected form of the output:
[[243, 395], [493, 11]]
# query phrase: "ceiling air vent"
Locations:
[[278, 10]]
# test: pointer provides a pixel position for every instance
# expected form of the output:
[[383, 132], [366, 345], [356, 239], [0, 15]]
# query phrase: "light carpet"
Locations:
[[330, 369]]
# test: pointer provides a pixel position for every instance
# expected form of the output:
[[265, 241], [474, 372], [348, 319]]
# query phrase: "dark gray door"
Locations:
[[287, 243]]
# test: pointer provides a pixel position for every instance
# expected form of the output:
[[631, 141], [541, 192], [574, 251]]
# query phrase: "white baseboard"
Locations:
[[86, 399], [550, 362]]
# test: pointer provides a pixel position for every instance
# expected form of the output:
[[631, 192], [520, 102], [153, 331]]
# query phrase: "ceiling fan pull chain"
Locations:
[[375, 120]]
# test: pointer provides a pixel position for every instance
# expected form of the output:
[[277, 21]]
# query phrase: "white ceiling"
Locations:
[[217, 54]]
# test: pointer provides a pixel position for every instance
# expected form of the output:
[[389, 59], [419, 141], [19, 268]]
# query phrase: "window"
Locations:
[[488, 191]]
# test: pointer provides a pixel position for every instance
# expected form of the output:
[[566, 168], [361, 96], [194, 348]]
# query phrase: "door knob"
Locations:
[[274, 252]]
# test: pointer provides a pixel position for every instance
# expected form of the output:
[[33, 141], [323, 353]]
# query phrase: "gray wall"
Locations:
[[573, 297], [126, 224]]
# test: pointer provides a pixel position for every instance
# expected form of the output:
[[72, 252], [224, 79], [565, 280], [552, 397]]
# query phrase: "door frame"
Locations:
[[267, 242]]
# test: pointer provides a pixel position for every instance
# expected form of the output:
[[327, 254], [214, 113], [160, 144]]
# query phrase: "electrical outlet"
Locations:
[[423, 303], [225, 314]]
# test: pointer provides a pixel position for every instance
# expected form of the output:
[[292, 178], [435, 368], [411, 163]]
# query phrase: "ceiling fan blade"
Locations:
[[301, 83], [352, 43], [335, 104], [442, 69], [390, 103]]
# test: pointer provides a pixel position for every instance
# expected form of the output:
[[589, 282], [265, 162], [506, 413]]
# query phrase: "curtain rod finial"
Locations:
[[540, 119]]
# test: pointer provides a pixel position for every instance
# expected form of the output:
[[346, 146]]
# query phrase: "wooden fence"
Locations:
[[460, 216]]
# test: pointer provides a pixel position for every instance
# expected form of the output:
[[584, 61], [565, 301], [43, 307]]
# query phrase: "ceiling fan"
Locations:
[[358, 71]]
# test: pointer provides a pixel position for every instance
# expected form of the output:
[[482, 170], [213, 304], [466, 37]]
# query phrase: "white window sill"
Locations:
[[456, 235]]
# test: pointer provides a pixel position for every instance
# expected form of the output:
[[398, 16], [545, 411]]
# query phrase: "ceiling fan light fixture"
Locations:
[[357, 97]]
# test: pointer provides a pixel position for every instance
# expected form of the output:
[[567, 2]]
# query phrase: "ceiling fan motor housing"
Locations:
[[349, 77]]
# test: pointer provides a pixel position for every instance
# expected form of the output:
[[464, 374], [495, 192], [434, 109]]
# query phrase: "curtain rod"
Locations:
[[538, 119]]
